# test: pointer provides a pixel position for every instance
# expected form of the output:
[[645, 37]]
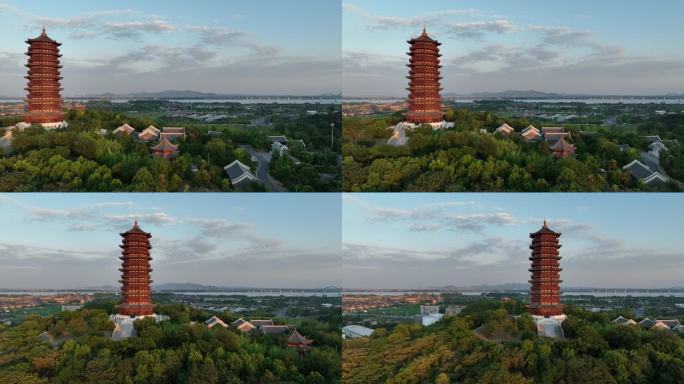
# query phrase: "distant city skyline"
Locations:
[[66, 241], [611, 47], [423, 240], [227, 47]]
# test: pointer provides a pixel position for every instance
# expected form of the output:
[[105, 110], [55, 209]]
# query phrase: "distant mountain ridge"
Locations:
[[190, 94], [522, 94], [511, 94]]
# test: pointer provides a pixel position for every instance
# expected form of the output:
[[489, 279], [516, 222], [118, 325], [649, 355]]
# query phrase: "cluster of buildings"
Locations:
[[164, 148], [136, 296], [247, 326], [429, 314], [12, 302], [653, 324], [556, 137], [362, 303], [280, 144], [266, 327], [647, 168], [364, 109]]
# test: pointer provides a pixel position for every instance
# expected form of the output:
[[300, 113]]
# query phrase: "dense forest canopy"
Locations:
[[464, 159], [506, 349], [180, 350], [81, 158]]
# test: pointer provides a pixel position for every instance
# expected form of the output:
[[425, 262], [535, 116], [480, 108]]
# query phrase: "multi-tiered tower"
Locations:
[[545, 289], [136, 298], [424, 101], [44, 100]]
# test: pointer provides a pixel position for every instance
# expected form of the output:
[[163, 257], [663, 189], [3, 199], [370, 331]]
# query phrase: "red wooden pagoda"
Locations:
[[44, 100], [299, 342], [545, 289], [424, 101], [136, 298]]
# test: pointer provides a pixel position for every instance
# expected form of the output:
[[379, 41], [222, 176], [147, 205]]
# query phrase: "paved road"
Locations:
[[264, 160]]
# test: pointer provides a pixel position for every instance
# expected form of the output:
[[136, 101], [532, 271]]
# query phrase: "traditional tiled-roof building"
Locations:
[[166, 149], [562, 149], [239, 174]]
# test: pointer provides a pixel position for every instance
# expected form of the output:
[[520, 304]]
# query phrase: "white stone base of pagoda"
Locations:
[[58, 125], [551, 326], [559, 318], [124, 327], [399, 138]]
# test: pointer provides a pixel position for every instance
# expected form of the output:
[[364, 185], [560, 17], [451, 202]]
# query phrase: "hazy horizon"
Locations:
[[53, 240], [213, 46], [604, 48], [410, 240]]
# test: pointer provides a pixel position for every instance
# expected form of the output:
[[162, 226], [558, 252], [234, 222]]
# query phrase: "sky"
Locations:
[[423, 240], [582, 46], [224, 46], [58, 241]]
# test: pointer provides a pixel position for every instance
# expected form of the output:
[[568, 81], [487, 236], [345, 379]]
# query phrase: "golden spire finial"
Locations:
[[544, 222]]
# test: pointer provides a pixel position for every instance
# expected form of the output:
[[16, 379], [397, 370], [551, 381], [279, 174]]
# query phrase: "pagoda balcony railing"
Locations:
[[547, 243], [39, 86], [425, 110], [42, 52], [43, 64], [43, 58], [423, 56], [138, 292], [545, 256], [44, 93], [423, 51], [424, 65], [141, 242], [43, 76], [50, 103], [34, 73], [136, 268], [125, 257], [423, 75], [545, 269], [424, 88], [420, 43], [426, 105]]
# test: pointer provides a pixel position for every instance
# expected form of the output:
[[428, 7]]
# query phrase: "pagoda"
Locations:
[[136, 297], [299, 342], [44, 99], [165, 149], [562, 149], [545, 289], [424, 101]]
